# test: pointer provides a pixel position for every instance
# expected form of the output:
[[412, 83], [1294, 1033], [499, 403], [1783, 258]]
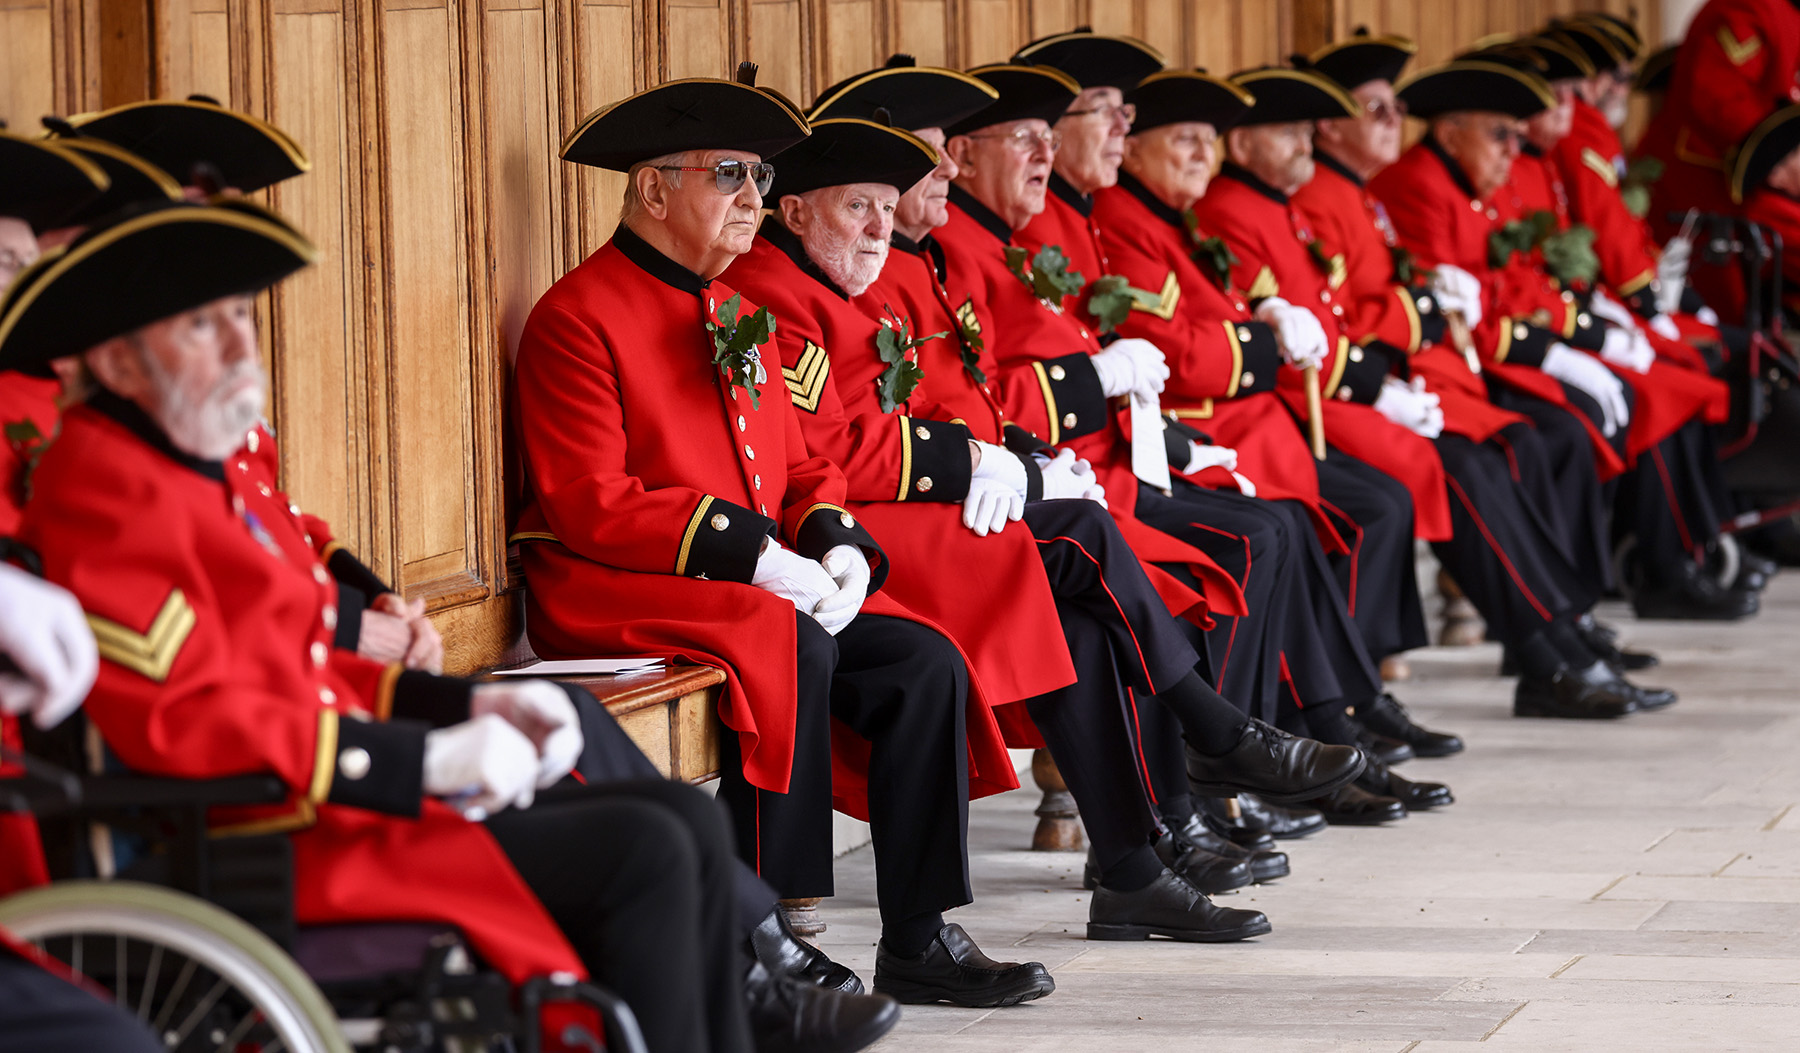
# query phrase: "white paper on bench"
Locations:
[[584, 667]]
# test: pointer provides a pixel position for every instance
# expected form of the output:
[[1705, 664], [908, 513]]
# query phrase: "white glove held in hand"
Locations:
[[1202, 457], [1628, 349], [1586, 373], [481, 766], [1411, 406], [1457, 290], [43, 631], [1665, 327], [848, 570], [1707, 316], [540, 711], [1068, 477], [1297, 329], [1611, 310], [1131, 365], [1000, 465], [1671, 273], [796, 579]]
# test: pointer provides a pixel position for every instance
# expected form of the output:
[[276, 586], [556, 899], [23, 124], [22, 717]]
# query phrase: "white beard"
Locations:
[[846, 261], [1617, 111], [213, 428]]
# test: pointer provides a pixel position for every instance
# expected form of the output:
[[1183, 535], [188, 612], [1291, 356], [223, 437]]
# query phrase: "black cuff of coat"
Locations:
[[349, 570], [1023, 443], [1524, 344], [351, 602], [1589, 333], [1432, 327], [1034, 477], [1643, 302], [1261, 355], [1365, 370], [722, 541], [934, 460], [437, 700], [380, 766], [1073, 397], [825, 527], [1691, 300], [1176, 444]]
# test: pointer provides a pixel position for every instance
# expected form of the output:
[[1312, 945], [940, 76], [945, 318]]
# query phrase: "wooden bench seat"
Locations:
[[671, 712]]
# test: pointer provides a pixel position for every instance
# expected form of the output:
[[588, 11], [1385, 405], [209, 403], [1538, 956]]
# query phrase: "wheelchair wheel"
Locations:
[[199, 978]]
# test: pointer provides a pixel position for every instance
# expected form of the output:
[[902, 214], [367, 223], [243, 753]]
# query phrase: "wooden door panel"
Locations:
[[922, 29], [853, 40], [993, 33], [27, 60], [777, 31], [697, 39], [607, 68]]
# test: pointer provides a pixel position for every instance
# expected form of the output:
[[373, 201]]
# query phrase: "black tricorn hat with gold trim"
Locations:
[[143, 265], [1177, 95], [1763, 149], [1656, 70], [844, 150], [1623, 32], [199, 142], [1362, 58], [1286, 95], [1597, 40], [1093, 60], [699, 113], [1475, 84], [44, 183], [1043, 92], [131, 180], [1553, 56], [914, 96]]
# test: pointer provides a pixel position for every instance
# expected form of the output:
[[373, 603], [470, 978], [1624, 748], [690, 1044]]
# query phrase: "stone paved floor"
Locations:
[[1631, 885]]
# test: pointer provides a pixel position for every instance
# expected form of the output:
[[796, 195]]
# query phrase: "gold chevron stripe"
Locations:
[[1339, 271], [1738, 51], [1265, 285], [1164, 305], [150, 654], [1601, 166], [806, 381]]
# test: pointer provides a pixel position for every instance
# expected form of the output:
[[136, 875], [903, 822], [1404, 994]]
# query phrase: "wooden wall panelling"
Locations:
[[1160, 23], [605, 64], [925, 29], [853, 36], [195, 51], [992, 31], [779, 39], [697, 39], [28, 63]]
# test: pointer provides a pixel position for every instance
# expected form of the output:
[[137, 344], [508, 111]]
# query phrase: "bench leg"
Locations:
[[803, 916], [1463, 626], [1059, 822]]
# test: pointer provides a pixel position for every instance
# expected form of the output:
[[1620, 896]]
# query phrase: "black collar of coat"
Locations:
[[980, 213], [1158, 208], [1530, 149], [652, 262], [1457, 174], [1075, 199], [927, 247], [1337, 166], [135, 420], [775, 232], [1249, 179]]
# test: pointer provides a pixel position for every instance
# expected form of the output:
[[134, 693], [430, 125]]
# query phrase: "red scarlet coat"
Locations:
[[214, 622], [1068, 223], [1781, 213], [1351, 223], [1591, 161], [1270, 239]]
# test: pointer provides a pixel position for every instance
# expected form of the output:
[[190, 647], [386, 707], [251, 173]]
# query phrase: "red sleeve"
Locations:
[[1734, 76]]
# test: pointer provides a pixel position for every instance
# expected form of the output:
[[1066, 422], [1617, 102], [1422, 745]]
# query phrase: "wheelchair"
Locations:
[[196, 937]]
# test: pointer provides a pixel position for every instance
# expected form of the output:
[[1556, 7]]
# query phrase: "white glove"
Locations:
[[1202, 457], [1245, 486], [481, 766], [1585, 372], [1612, 310], [43, 631], [1068, 477], [1628, 349], [796, 579], [1707, 316], [1457, 290], [1411, 406], [848, 569], [1297, 329], [990, 506], [999, 465], [1131, 365], [1665, 327], [1671, 272], [542, 712]]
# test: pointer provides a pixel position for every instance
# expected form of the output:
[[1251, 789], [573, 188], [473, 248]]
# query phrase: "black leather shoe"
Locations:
[[1169, 907], [1354, 806], [1385, 716], [1694, 597], [1210, 872], [1754, 571], [780, 951], [1416, 796], [1284, 823], [1241, 830], [1266, 864], [1274, 765], [954, 970], [789, 1015], [1382, 748], [1645, 699], [1603, 640], [1594, 693]]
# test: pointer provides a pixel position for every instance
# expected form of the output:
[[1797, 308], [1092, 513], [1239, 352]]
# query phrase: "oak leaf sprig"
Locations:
[[1046, 274], [736, 343], [895, 344]]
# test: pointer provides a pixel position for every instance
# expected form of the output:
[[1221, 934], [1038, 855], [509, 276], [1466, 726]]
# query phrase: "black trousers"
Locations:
[[638, 875], [1675, 499], [1373, 512], [901, 687], [1553, 461], [40, 1013]]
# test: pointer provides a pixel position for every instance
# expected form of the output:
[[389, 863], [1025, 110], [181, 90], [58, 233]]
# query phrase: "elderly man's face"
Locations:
[[1609, 91], [845, 230], [1176, 161], [1370, 141], [704, 227], [1093, 139], [18, 249], [1483, 144], [1278, 154], [1552, 126], [926, 206], [1007, 167], [197, 374], [1785, 176]]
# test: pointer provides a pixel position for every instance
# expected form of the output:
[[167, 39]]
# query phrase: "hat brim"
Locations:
[[131, 180], [43, 182], [179, 135], [1025, 92], [1179, 96], [914, 96], [1763, 149], [1354, 62], [844, 150], [1475, 85], [699, 113], [1093, 60], [1287, 95]]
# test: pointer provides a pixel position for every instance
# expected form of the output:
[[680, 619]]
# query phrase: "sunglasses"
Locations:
[[730, 175]]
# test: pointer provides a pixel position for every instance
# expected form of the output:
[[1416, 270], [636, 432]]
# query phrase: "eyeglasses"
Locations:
[[730, 175], [1127, 110], [1506, 135], [1381, 111], [1024, 139]]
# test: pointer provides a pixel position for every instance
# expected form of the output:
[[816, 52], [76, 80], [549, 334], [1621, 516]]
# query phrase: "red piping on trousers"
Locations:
[[1231, 637], [1355, 551], [1511, 571], [1662, 470]]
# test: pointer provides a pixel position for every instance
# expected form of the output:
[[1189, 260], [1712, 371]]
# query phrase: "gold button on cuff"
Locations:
[[1247, 379], [1424, 304], [320, 653], [847, 519], [1583, 320], [720, 521], [1356, 354], [1058, 372], [354, 763], [922, 432], [1567, 296], [1068, 420], [1243, 334], [1520, 332], [1343, 394], [923, 485]]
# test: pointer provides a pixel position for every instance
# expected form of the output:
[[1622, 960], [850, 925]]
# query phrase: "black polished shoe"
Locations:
[[1169, 907], [1266, 864], [1416, 796], [780, 951], [1694, 597], [1754, 571], [954, 970], [789, 1015], [1354, 806], [1645, 699], [1385, 716], [1594, 693], [1382, 748], [1241, 830], [1603, 640], [1207, 871], [1274, 765], [1284, 823]]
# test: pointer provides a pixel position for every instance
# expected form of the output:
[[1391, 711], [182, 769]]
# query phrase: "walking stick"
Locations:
[[1315, 413], [1458, 328]]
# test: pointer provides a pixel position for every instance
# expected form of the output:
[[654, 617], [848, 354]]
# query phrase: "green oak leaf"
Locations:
[[1406, 266], [1211, 254], [1112, 299], [735, 341], [1569, 255], [894, 343], [29, 443], [1047, 274]]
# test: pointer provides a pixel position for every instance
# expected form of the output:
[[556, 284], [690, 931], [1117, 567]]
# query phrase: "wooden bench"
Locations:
[[670, 712]]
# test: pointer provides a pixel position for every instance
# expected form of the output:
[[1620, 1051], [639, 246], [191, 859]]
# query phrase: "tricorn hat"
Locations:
[[1656, 70], [699, 113], [1552, 56], [44, 183], [180, 136], [1772, 140], [1623, 31], [851, 150], [142, 265], [1285, 95], [131, 180], [1478, 85], [914, 96], [1177, 95], [1043, 92], [1597, 40], [1362, 58], [1093, 60]]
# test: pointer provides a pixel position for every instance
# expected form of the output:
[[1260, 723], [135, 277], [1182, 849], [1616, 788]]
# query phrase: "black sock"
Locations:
[[1331, 727], [1139, 867], [1208, 722], [1176, 810], [909, 938], [1539, 658], [1570, 645]]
